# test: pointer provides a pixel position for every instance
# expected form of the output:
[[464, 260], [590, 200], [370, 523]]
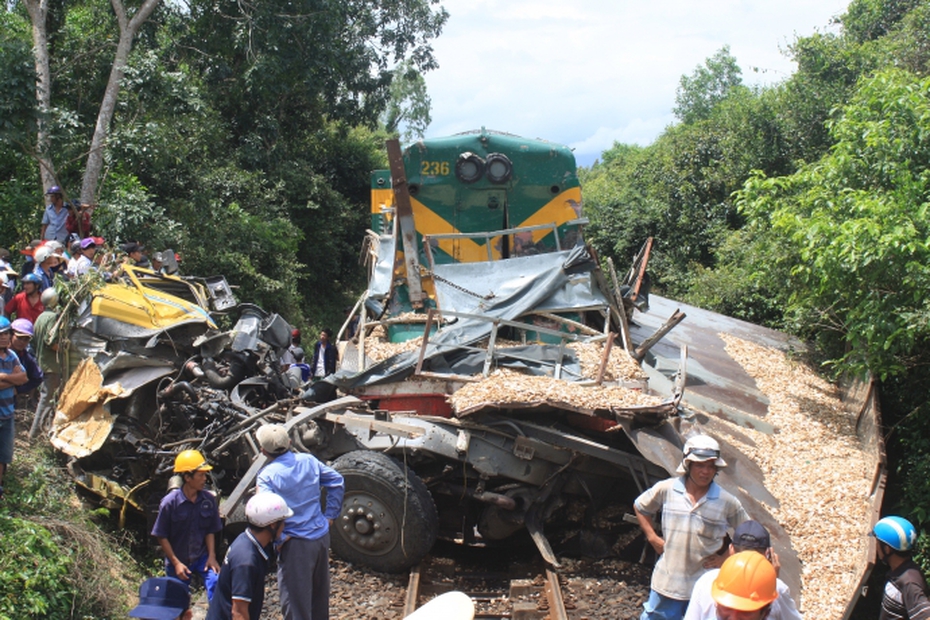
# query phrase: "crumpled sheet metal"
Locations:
[[82, 422], [519, 296]]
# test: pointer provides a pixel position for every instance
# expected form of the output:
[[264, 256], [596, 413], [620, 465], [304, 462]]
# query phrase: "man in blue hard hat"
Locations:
[[12, 374], [905, 594]]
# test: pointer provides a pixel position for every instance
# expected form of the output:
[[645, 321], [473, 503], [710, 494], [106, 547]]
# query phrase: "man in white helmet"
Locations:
[[240, 591], [695, 513]]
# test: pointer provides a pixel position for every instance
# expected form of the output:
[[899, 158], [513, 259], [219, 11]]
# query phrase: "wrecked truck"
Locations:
[[158, 374]]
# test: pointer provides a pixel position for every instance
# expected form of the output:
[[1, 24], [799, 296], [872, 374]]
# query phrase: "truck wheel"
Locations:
[[388, 520]]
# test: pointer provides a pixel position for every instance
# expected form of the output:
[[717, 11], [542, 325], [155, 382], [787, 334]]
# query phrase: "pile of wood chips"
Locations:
[[620, 366], [816, 468], [508, 386]]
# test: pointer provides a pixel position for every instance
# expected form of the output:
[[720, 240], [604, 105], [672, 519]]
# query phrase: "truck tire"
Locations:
[[388, 520]]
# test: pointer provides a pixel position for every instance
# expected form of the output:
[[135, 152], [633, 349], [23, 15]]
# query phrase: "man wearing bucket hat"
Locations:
[[303, 551], [163, 598], [695, 513], [188, 522], [749, 536], [905, 595]]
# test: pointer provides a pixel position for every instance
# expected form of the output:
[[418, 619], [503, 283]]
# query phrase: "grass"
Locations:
[[61, 558]]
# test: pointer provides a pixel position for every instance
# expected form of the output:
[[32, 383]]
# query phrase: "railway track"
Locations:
[[494, 595]]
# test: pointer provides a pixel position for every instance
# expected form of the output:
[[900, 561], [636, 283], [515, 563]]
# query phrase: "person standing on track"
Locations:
[[303, 551], [695, 513], [188, 522]]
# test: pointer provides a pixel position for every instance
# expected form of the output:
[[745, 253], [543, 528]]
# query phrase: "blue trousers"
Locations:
[[660, 607], [198, 566]]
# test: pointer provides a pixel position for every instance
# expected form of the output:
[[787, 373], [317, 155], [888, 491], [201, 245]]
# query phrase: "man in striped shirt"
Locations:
[[695, 513], [905, 595], [12, 374]]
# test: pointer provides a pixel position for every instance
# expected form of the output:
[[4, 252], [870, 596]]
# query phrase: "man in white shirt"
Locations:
[[749, 536]]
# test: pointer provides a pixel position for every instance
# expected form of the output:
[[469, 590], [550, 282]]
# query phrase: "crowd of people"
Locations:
[[698, 576], [29, 341], [296, 499]]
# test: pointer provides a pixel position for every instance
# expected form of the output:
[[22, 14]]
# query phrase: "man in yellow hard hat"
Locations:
[[187, 523], [745, 587]]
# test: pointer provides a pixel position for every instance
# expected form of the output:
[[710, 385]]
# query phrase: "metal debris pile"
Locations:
[[816, 468], [505, 386]]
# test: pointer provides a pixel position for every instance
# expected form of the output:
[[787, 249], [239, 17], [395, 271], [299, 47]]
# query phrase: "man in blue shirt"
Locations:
[[240, 592], [11, 375], [187, 523], [303, 551], [55, 218]]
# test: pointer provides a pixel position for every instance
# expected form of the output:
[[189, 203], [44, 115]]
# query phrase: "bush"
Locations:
[[56, 561]]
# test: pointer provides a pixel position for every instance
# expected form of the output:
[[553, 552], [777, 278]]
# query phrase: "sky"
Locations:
[[588, 73]]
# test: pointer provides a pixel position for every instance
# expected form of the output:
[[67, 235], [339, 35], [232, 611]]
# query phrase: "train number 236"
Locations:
[[434, 168]]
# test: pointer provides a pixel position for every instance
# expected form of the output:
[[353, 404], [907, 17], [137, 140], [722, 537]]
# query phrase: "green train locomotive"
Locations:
[[479, 196]]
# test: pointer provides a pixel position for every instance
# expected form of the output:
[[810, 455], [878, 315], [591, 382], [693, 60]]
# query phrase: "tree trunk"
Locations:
[[38, 13], [127, 32]]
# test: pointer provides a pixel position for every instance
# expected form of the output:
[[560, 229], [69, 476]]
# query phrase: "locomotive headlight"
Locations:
[[469, 167], [499, 168]]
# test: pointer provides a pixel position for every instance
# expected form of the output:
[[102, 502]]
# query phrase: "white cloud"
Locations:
[[594, 71]]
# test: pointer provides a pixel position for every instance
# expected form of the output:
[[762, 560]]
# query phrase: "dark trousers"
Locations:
[[303, 578]]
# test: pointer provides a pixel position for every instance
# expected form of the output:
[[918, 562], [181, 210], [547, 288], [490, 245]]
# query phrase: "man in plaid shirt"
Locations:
[[695, 513]]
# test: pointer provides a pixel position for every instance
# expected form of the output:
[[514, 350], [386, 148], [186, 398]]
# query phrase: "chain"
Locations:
[[460, 288]]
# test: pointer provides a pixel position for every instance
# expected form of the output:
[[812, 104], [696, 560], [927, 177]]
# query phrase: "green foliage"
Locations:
[[710, 84], [408, 105], [679, 189], [856, 222], [52, 554], [867, 20], [129, 212], [35, 588], [17, 81]]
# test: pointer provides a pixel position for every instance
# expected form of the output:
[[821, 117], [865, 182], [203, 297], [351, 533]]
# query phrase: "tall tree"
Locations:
[[707, 86], [128, 28], [409, 103], [38, 14]]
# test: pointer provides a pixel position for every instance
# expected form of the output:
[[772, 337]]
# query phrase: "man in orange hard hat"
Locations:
[[745, 587], [749, 536], [187, 523]]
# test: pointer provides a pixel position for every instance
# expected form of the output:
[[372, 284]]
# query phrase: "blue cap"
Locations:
[[54, 189], [161, 598], [751, 535]]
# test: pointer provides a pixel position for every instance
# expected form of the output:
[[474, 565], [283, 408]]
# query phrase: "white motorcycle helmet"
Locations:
[[700, 448], [266, 508]]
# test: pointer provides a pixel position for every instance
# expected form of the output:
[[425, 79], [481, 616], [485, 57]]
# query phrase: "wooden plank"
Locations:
[[408, 230]]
